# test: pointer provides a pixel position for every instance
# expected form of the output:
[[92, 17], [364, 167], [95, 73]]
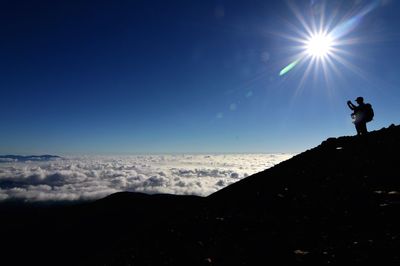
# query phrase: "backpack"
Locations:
[[368, 112]]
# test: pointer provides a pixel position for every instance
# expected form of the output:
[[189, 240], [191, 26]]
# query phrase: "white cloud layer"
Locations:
[[83, 178]]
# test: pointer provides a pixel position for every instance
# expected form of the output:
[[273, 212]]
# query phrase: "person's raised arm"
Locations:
[[350, 105]]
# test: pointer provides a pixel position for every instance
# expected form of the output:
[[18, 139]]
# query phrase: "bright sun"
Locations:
[[319, 45]]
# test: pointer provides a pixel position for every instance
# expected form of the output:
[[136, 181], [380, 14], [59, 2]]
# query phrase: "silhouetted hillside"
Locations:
[[335, 204]]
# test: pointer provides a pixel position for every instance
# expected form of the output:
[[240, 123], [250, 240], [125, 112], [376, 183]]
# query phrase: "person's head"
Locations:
[[360, 100]]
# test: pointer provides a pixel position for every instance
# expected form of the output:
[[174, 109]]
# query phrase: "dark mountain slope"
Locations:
[[346, 161], [335, 204]]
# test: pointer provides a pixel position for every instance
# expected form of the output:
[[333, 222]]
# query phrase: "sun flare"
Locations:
[[321, 40], [319, 45]]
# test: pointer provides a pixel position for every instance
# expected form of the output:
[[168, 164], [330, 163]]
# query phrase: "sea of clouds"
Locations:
[[93, 177]]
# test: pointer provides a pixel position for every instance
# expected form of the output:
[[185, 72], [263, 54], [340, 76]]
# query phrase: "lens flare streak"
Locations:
[[288, 67]]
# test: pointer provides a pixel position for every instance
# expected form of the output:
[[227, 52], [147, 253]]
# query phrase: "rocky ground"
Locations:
[[335, 204]]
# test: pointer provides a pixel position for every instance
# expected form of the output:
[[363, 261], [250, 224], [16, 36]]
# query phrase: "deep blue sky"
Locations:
[[185, 76]]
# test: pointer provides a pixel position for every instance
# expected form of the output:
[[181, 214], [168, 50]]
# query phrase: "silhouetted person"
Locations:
[[362, 113]]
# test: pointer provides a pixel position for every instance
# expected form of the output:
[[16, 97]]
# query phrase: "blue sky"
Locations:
[[186, 76]]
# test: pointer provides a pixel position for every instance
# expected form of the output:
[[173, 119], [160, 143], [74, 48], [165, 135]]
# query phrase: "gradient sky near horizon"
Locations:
[[83, 77]]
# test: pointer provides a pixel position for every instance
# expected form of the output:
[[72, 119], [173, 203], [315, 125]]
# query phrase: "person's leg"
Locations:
[[361, 128], [358, 128], [364, 128]]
